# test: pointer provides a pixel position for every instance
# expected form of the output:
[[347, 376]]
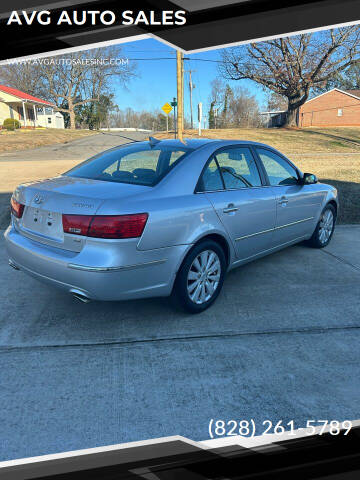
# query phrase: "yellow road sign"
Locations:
[[167, 108]]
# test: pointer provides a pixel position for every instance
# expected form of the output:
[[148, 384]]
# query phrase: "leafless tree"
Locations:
[[216, 101], [276, 102], [243, 109], [292, 66], [232, 107], [73, 79], [84, 77], [150, 120], [26, 77]]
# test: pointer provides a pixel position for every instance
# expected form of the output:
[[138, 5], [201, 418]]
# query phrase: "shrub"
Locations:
[[11, 123]]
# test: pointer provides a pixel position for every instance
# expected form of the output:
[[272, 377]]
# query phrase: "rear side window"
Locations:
[[279, 171], [175, 155], [139, 164], [211, 178]]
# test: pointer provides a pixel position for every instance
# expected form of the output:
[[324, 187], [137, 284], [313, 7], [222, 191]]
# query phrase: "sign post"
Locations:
[[174, 104], [200, 117], [167, 109]]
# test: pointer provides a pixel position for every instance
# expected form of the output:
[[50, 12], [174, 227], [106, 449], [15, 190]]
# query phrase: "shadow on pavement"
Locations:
[[4, 210], [349, 199]]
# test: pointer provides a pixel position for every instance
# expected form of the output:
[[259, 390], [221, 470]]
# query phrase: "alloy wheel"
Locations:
[[203, 276], [326, 226]]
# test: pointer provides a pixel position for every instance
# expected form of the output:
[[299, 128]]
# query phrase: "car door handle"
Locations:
[[283, 201], [230, 208]]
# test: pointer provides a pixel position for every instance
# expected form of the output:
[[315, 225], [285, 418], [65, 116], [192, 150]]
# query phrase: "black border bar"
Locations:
[[205, 28], [319, 456]]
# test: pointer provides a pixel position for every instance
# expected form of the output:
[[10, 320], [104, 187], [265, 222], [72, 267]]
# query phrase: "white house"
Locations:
[[30, 111]]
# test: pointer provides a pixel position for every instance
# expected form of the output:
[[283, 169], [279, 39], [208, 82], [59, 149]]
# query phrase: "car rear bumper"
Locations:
[[113, 271]]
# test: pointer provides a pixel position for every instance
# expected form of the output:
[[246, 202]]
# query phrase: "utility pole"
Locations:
[[180, 94], [191, 87]]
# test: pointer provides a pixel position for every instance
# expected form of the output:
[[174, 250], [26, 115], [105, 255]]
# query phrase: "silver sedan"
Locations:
[[162, 218]]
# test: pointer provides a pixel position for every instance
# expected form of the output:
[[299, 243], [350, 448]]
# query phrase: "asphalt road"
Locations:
[[80, 149], [281, 343]]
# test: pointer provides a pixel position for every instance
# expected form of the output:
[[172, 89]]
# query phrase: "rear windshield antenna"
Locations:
[[153, 141]]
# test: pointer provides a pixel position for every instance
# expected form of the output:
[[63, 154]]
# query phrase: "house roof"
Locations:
[[273, 112], [22, 95], [351, 93], [355, 93]]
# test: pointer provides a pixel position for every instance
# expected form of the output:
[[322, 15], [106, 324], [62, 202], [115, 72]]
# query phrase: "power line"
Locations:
[[208, 60], [160, 58], [190, 59]]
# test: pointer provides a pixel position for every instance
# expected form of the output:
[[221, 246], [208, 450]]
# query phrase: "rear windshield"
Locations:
[[140, 164]]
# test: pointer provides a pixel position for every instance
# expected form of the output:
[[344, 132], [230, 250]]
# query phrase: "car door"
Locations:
[[296, 204], [233, 184]]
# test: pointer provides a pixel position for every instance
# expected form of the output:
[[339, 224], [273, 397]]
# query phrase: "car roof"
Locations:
[[192, 143], [195, 143]]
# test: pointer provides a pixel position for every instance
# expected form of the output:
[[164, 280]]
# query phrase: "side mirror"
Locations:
[[309, 179]]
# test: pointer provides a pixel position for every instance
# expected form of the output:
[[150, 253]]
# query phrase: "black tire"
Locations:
[[180, 292], [316, 240]]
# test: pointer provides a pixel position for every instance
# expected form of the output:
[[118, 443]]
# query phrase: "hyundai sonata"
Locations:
[[160, 218]]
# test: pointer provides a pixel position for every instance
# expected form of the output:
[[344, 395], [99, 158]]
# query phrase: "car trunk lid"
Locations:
[[46, 201]]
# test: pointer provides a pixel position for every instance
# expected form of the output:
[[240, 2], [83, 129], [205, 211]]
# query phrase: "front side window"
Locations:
[[238, 168], [140, 164], [279, 171]]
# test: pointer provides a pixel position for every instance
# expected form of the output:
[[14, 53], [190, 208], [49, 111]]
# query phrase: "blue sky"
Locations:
[[156, 83]]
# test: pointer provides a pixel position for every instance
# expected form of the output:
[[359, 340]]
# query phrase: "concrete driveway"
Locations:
[[281, 343]]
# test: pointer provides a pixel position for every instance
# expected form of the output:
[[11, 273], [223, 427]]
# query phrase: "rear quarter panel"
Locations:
[[179, 221], [177, 215]]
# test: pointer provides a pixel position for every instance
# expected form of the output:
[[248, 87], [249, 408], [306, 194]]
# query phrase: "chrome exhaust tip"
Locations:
[[12, 265], [80, 296]]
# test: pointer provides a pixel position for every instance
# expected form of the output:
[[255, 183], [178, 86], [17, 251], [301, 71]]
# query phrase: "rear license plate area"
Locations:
[[43, 222]]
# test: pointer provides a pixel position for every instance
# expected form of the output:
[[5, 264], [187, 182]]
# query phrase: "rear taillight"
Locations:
[[77, 224], [105, 226], [17, 208], [117, 226]]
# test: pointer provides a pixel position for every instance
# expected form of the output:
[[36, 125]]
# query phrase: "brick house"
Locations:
[[333, 108]]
